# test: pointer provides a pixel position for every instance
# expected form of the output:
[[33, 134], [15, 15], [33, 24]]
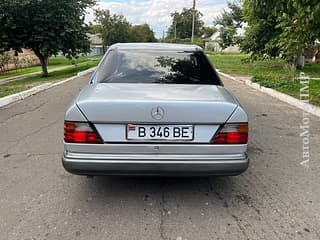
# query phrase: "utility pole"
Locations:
[[193, 19], [175, 29], [163, 36]]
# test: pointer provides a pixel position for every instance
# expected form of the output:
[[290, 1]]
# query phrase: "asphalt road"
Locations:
[[277, 198]]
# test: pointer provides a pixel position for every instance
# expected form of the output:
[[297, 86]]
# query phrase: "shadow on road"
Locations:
[[104, 188]]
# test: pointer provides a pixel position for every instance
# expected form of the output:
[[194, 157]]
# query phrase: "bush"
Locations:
[[198, 41], [25, 62], [5, 60]]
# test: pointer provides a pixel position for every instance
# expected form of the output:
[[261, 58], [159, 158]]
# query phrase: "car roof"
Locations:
[[156, 46]]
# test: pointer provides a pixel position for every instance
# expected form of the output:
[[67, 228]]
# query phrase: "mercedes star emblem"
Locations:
[[157, 113]]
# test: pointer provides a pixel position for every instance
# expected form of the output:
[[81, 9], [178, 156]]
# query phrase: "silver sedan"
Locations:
[[155, 109]]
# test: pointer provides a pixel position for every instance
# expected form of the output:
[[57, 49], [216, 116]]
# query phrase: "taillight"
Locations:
[[78, 132], [232, 134]]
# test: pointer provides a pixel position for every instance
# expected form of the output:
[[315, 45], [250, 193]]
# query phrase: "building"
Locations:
[[96, 44], [213, 43]]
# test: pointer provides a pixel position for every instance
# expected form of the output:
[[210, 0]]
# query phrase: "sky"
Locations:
[[156, 13]]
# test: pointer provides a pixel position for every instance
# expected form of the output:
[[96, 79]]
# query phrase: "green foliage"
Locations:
[[45, 26], [9, 58], [208, 31], [300, 25], [280, 26], [274, 73], [261, 35], [197, 41], [54, 64], [228, 23], [182, 24], [142, 33], [115, 28], [94, 28], [227, 36], [5, 59], [27, 83]]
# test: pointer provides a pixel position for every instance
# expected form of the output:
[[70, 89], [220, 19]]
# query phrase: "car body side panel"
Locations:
[[73, 114], [238, 116]]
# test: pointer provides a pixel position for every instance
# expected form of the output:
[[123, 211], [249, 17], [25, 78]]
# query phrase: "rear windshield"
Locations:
[[146, 66]]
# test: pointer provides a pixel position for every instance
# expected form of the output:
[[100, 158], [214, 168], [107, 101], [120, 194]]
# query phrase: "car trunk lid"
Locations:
[[134, 103]]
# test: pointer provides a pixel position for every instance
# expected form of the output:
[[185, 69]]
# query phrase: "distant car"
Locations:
[[155, 109]]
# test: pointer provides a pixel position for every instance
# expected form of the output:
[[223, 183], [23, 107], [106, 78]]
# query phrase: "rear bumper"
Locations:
[[155, 164]]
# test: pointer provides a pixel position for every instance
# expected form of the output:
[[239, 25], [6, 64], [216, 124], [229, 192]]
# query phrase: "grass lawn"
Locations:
[[274, 74], [54, 62], [27, 83]]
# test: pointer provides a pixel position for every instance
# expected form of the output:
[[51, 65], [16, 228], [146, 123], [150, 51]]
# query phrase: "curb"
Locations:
[[281, 96], [32, 91]]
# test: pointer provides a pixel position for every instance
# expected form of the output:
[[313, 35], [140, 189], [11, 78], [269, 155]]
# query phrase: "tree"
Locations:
[[261, 34], [114, 28], [208, 31], [288, 27], [281, 26], [142, 33], [94, 28], [181, 26], [228, 23], [300, 26], [47, 27]]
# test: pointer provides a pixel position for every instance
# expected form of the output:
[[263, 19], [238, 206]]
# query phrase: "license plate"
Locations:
[[160, 132]]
